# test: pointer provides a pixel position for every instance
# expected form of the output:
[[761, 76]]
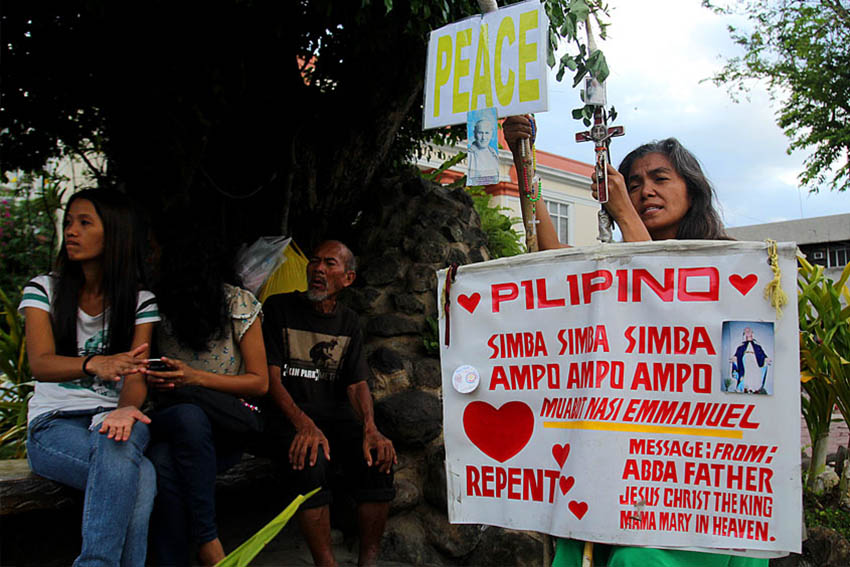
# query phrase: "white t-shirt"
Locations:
[[85, 392]]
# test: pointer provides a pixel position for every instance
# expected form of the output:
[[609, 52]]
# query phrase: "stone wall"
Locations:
[[413, 229]]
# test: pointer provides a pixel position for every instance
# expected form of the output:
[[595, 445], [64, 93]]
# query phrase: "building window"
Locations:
[[560, 213], [816, 255], [839, 257]]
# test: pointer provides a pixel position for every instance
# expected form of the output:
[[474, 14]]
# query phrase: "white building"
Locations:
[[824, 240], [566, 190]]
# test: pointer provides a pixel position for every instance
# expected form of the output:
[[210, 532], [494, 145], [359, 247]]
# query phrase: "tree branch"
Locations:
[[97, 173]]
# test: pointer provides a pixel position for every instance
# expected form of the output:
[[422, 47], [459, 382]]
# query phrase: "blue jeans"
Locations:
[[187, 452], [119, 483]]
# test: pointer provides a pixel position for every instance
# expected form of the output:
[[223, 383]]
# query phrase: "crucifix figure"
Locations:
[[600, 134]]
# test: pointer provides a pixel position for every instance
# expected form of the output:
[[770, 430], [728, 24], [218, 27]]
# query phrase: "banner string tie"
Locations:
[[773, 292], [450, 277]]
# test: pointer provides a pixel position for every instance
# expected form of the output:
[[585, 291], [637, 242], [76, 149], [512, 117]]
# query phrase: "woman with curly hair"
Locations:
[[88, 325], [210, 339], [659, 192]]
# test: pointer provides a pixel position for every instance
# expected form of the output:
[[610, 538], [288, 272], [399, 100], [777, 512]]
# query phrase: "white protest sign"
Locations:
[[493, 60], [636, 394]]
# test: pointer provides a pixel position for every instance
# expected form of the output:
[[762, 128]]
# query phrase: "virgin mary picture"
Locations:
[[748, 346]]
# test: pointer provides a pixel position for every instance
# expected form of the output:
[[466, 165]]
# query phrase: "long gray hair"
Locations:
[[702, 221]]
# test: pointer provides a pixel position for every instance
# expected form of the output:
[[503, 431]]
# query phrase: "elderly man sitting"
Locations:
[[320, 405]]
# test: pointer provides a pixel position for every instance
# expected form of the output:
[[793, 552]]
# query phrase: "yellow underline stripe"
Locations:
[[643, 428]]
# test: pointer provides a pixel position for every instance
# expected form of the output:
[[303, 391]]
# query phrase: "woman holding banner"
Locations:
[[659, 192]]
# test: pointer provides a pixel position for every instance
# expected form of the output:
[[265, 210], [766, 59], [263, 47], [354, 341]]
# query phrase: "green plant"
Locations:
[[824, 343], [799, 50], [245, 553], [817, 403], [431, 337], [502, 239], [28, 236], [447, 164], [825, 511], [15, 382]]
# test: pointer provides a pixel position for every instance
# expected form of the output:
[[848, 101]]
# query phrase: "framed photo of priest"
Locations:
[[482, 150]]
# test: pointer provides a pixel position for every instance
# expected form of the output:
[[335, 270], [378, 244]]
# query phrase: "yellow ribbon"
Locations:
[[773, 292]]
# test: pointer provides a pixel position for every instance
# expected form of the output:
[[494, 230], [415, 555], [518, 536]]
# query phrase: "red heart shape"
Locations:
[[469, 302], [743, 284], [578, 508], [499, 433], [561, 452], [566, 483]]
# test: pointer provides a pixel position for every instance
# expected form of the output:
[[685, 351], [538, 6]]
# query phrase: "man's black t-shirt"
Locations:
[[319, 354]]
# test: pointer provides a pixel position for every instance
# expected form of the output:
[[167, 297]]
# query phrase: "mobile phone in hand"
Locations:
[[157, 365]]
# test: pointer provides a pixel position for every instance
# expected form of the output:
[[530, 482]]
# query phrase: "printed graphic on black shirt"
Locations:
[[313, 356]]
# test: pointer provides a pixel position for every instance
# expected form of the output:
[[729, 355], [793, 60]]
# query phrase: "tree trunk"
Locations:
[[844, 484], [818, 463]]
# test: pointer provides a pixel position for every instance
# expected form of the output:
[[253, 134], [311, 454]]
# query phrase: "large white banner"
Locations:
[[493, 60], [637, 394]]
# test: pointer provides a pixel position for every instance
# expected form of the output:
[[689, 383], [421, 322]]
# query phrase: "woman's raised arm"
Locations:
[[621, 208], [517, 128]]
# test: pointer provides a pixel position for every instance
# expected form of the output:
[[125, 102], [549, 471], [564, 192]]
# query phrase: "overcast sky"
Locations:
[[658, 51]]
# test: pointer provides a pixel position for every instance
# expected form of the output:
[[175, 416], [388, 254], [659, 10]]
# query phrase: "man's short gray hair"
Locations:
[[350, 260], [348, 256]]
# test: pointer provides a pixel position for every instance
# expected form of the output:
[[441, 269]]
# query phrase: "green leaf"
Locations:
[[568, 28], [569, 61], [582, 71], [845, 275], [580, 9], [561, 70], [598, 66], [451, 162], [578, 113], [556, 16], [245, 553], [553, 47]]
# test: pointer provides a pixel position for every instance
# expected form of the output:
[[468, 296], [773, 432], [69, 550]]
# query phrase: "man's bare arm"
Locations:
[[308, 437], [361, 400]]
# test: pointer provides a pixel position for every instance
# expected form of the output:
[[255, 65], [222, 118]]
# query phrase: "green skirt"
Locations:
[[568, 554]]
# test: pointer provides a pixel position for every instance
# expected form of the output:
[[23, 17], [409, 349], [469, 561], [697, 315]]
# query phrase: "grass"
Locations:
[[824, 511]]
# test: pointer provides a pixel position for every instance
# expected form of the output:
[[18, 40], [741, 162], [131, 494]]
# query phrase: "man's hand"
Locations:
[[386, 457], [119, 423], [308, 437]]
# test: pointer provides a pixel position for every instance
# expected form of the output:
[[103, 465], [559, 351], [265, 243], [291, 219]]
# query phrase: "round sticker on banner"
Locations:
[[465, 379]]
